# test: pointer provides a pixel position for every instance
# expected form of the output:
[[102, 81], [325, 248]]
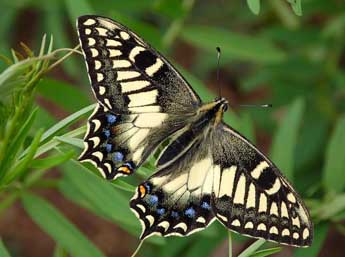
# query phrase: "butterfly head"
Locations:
[[221, 106], [215, 109]]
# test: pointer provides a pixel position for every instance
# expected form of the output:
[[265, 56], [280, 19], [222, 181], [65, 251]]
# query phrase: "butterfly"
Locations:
[[206, 172]]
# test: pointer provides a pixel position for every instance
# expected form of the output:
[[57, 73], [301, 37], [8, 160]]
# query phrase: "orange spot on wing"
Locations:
[[124, 169], [142, 190]]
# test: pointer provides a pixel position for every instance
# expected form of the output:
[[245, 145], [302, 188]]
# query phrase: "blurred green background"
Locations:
[[50, 205]]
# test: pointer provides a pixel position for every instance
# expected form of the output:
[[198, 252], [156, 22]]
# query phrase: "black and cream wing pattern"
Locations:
[[141, 98], [206, 172]]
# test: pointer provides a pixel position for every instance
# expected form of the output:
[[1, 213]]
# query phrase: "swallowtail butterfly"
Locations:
[[207, 172]]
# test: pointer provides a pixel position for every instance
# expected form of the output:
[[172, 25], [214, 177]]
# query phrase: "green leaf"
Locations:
[[203, 247], [54, 22], [77, 8], [333, 172], [3, 250], [59, 252], [58, 227], [296, 6], [266, 252], [77, 142], [330, 207], [66, 122], [21, 167], [102, 197], [285, 139], [233, 45], [51, 161], [11, 77], [54, 142], [100, 193], [252, 248], [320, 233], [254, 6], [65, 95], [16, 144]]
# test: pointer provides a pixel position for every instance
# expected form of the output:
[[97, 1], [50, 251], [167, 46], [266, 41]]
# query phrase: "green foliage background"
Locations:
[[287, 53]]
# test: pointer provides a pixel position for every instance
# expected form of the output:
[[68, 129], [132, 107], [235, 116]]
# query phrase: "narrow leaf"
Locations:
[[22, 166], [54, 142], [51, 89], [252, 248], [16, 145], [100, 193], [102, 197], [51, 161], [333, 172], [58, 227], [296, 6], [331, 207], [77, 142], [3, 250], [266, 252], [76, 8], [66, 122], [254, 6], [285, 139], [233, 45]]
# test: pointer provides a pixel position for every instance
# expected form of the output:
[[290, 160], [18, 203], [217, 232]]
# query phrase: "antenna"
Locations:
[[218, 59], [220, 88], [256, 105]]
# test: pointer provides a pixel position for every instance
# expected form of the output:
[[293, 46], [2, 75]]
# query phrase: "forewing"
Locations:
[[253, 196], [127, 75], [119, 143], [177, 199], [142, 98]]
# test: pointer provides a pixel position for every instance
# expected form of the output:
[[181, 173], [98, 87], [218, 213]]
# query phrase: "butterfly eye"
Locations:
[[225, 107]]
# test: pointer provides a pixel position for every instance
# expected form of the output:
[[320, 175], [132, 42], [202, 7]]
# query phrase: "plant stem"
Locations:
[[252, 248], [230, 243], [138, 248], [176, 25], [284, 14]]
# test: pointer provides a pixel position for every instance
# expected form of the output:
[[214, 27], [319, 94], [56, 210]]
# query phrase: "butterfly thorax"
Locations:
[[214, 111]]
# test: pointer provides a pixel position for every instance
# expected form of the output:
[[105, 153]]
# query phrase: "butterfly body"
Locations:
[[207, 171]]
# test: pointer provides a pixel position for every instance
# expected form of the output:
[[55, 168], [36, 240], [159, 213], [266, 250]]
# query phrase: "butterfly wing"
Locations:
[[222, 175], [128, 75], [177, 199], [142, 98], [253, 197]]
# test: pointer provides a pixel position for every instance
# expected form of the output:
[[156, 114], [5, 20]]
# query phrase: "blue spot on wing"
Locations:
[[106, 133], [153, 199], [174, 214], [205, 205], [190, 212], [108, 147], [111, 118], [118, 156], [148, 187], [129, 165], [161, 211]]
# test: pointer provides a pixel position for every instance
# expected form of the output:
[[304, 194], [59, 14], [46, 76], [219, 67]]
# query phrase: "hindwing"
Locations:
[[222, 175], [119, 143], [253, 196], [177, 199]]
